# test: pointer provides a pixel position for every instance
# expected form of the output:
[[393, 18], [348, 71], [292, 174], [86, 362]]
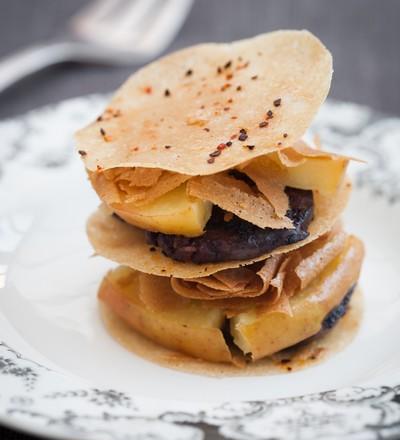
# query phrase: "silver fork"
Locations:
[[107, 32]]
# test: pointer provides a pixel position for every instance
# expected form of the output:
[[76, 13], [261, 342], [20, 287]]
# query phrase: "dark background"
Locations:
[[363, 35]]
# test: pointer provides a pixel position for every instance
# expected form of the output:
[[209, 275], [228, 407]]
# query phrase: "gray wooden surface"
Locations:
[[363, 35]]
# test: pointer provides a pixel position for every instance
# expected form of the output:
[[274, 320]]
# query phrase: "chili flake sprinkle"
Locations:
[[167, 92], [148, 90], [215, 153], [229, 144], [243, 135], [270, 114], [206, 129], [152, 249], [219, 70], [228, 64], [250, 147], [189, 72], [167, 147], [225, 86], [226, 109], [102, 132], [221, 147], [82, 153], [239, 88], [229, 76], [263, 124], [211, 160], [99, 118], [254, 77], [285, 135], [277, 102]]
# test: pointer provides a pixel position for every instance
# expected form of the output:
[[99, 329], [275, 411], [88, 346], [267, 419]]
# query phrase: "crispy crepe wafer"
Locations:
[[236, 196], [259, 94], [126, 244], [122, 187]]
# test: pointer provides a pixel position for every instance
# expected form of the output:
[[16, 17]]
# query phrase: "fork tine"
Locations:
[[134, 20], [165, 25], [97, 10]]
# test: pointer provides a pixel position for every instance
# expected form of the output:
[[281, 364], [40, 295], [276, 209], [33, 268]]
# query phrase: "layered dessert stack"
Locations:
[[225, 223]]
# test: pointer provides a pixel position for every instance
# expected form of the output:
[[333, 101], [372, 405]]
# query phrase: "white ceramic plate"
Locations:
[[62, 375]]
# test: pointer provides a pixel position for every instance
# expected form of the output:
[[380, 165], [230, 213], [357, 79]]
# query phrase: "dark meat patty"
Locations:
[[238, 239], [338, 312]]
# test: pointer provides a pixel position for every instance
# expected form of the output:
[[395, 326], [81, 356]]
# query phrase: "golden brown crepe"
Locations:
[[174, 112]]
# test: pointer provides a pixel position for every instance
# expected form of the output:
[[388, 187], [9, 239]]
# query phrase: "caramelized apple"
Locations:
[[148, 304], [262, 333], [173, 213]]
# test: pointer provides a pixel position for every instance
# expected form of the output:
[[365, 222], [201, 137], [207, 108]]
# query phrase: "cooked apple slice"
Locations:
[[263, 333], [173, 213], [324, 174], [148, 304], [317, 173]]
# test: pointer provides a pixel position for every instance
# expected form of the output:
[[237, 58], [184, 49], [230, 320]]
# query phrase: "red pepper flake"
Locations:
[[221, 147], [229, 144], [167, 147], [230, 100], [211, 160], [285, 135], [226, 109], [234, 117], [243, 66], [234, 136], [152, 249], [254, 77], [250, 147], [189, 72], [270, 114], [202, 107], [228, 64], [225, 86], [82, 153], [167, 92], [243, 135], [215, 153], [279, 144], [206, 129], [239, 88], [99, 118], [105, 136], [148, 90], [219, 70], [99, 168], [277, 102], [229, 76], [263, 124], [136, 149]]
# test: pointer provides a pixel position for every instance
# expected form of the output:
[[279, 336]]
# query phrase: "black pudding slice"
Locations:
[[238, 239], [338, 312]]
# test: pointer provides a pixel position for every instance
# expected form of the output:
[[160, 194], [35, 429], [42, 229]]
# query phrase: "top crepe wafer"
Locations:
[[176, 111]]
